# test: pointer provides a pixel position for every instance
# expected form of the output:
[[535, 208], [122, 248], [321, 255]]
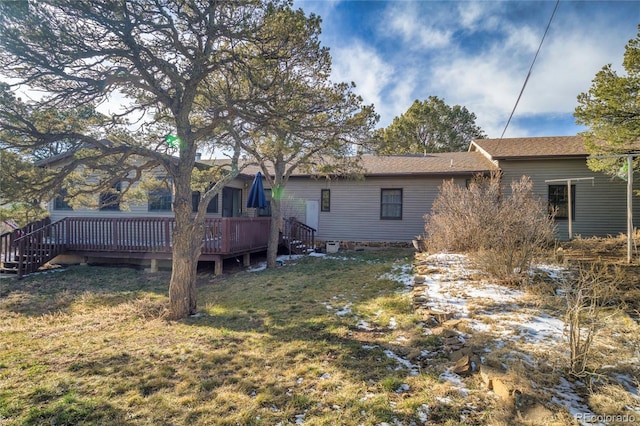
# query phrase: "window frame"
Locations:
[[325, 200], [383, 204], [59, 203], [105, 201], [157, 200], [196, 196], [266, 212], [554, 203]]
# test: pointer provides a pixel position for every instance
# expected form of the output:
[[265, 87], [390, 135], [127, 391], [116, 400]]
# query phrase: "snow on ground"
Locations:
[[497, 311], [501, 312]]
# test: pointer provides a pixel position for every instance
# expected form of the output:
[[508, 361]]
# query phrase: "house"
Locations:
[[387, 206], [598, 205]]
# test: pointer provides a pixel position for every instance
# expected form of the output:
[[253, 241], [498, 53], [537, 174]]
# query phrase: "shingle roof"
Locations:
[[436, 163], [453, 163], [531, 147]]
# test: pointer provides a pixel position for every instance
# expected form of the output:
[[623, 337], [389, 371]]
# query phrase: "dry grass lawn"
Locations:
[[88, 346]]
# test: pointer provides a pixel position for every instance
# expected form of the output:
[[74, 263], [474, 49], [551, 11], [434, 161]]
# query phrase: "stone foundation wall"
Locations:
[[352, 245]]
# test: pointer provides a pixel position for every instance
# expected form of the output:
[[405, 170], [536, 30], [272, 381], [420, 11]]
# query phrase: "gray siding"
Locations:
[[600, 210], [355, 207]]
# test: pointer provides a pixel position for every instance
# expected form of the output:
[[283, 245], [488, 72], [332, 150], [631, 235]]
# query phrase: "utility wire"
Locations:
[[526, 80]]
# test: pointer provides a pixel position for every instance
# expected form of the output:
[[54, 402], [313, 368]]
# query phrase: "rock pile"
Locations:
[[465, 359]]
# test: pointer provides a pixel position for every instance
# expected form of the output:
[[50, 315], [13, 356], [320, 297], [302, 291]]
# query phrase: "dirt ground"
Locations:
[[613, 251]]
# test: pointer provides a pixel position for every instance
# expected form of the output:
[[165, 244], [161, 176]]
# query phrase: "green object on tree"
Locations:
[[276, 192], [173, 141]]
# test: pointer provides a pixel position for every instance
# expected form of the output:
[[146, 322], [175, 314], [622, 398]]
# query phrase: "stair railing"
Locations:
[[294, 230], [8, 248], [36, 248]]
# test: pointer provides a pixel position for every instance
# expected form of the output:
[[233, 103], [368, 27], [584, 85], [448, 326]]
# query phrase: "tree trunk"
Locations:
[[274, 233], [186, 251], [187, 242]]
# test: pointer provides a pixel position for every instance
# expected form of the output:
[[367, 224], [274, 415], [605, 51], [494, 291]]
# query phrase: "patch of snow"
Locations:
[[363, 325], [566, 396], [400, 273], [280, 260], [444, 400], [423, 413], [456, 381], [403, 388], [392, 323], [403, 363], [346, 310]]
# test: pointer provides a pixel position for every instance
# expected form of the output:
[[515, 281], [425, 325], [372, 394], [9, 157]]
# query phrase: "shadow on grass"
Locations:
[[56, 291], [66, 407]]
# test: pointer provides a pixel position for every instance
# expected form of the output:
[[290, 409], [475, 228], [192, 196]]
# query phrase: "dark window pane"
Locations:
[[325, 200], [391, 204]]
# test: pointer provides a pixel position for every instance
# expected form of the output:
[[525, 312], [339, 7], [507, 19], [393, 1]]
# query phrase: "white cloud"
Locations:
[[416, 30], [364, 66]]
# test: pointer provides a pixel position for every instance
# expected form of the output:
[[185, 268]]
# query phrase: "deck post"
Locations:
[[217, 265], [246, 260], [154, 266]]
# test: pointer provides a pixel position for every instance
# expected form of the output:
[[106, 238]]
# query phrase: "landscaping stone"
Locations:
[[536, 414]]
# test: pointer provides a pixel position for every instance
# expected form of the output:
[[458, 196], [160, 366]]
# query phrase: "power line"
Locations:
[[530, 68]]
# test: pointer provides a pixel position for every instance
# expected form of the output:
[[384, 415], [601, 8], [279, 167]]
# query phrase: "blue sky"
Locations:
[[476, 54]]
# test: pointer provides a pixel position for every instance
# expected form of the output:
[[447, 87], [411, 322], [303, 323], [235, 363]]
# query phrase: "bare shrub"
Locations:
[[592, 290], [502, 232]]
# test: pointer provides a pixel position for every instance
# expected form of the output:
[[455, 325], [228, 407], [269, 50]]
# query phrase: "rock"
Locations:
[[463, 366], [536, 414], [452, 323], [455, 356], [502, 388], [441, 316], [420, 300], [489, 370]]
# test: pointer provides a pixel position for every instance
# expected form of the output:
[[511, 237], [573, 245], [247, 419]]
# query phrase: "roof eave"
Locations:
[[543, 157]]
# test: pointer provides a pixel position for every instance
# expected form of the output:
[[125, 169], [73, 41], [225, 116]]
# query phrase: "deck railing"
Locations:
[[222, 236], [226, 235], [297, 236], [29, 251]]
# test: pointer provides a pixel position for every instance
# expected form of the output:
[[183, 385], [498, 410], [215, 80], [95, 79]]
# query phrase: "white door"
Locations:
[[313, 212]]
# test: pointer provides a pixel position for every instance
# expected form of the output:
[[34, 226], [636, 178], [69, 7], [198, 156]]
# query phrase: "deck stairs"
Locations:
[[297, 237], [27, 249]]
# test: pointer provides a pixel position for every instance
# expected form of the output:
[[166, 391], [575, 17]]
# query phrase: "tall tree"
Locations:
[[611, 111], [429, 126], [171, 60], [294, 117], [16, 201]]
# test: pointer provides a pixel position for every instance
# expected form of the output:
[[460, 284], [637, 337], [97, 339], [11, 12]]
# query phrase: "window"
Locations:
[[325, 200], [109, 200], [391, 204], [231, 202], [266, 212], [559, 201], [195, 202], [59, 203], [160, 200]]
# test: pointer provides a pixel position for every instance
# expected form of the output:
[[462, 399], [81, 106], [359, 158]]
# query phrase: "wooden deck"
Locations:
[[143, 238]]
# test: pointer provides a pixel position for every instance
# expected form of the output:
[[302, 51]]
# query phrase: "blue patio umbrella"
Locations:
[[257, 199]]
